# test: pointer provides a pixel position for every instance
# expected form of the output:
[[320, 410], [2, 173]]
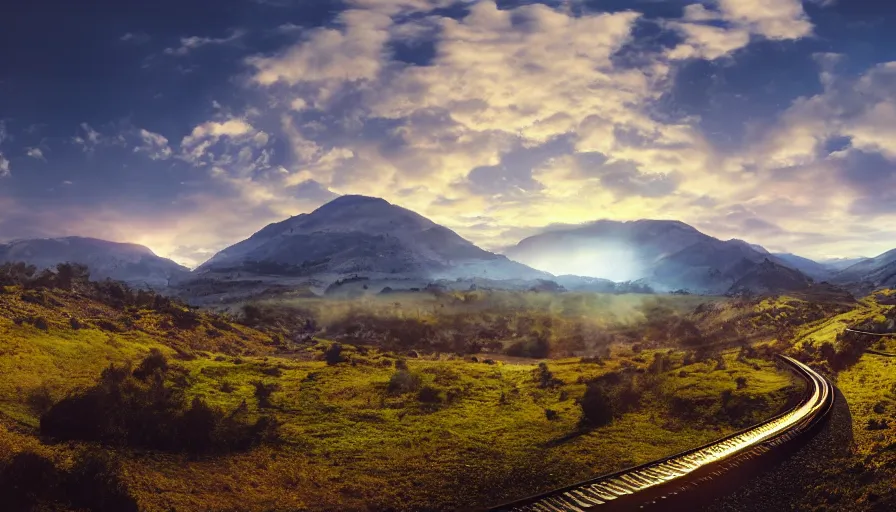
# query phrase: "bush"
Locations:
[[333, 354], [41, 323], [27, 480], [123, 409], [263, 392], [537, 347], [30, 481], [429, 395], [74, 323], [551, 414], [545, 377], [404, 381], [40, 399], [152, 363], [94, 484], [597, 409]]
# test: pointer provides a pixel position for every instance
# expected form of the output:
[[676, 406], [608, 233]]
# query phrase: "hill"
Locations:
[[871, 273], [811, 268], [668, 255], [358, 238], [130, 263]]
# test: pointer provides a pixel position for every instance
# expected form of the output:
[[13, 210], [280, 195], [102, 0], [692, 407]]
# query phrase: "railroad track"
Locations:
[[642, 485]]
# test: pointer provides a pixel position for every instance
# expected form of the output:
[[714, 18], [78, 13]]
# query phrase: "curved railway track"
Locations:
[[642, 485]]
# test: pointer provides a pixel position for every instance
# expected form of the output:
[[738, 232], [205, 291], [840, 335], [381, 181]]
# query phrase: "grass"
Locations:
[[347, 442]]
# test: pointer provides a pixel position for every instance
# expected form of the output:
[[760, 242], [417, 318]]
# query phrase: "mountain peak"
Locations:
[[355, 199]]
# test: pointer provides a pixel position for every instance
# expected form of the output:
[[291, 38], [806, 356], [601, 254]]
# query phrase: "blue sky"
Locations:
[[187, 126]]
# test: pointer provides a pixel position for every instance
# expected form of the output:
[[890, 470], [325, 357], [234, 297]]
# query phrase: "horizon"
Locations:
[[770, 122], [499, 250]]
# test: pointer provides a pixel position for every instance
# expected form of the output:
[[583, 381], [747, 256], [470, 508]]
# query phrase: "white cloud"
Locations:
[[35, 153], [4, 163], [353, 52], [715, 33], [88, 139], [188, 44], [154, 145]]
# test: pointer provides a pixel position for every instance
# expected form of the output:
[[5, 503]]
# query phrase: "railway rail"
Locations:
[[636, 487]]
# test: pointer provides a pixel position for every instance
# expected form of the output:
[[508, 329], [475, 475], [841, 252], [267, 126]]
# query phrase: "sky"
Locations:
[[186, 126]]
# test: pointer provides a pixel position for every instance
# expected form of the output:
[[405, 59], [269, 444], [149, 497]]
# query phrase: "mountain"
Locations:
[[668, 255], [131, 263], [771, 278], [872, 273], [837, 264], [362, 238], [809, 267]]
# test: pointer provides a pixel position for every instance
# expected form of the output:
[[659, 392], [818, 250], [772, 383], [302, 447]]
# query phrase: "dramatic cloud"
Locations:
[[711, 33], [498, 119]]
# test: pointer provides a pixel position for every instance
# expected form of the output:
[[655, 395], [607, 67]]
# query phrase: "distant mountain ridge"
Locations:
[[871, 273], [669, 255], [356, 243], [131, 263]]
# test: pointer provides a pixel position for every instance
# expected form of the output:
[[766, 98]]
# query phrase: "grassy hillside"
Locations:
[[357, 428]]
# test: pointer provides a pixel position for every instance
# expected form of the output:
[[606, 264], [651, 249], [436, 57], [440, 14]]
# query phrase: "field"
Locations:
[[367, 427]]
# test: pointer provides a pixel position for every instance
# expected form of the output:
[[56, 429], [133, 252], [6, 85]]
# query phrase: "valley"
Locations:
[[407, 369]]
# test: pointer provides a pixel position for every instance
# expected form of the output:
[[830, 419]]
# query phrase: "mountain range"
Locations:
[[357, 242]]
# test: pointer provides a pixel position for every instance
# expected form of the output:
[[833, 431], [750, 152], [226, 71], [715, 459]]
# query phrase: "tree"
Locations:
[[597, 410]]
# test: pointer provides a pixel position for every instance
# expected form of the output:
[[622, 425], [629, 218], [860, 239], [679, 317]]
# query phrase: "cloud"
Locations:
[[189, 44], [354, 52], [154, 145], [134, 37], [4, 163], [35, 153], [731, 24], [89, 139]]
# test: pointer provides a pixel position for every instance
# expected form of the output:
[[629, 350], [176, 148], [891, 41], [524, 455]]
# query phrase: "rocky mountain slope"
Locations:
[[669, 255], [870, 273], [131, 263], [809, 267]]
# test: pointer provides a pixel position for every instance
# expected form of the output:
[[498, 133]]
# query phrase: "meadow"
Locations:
[[317, 404]]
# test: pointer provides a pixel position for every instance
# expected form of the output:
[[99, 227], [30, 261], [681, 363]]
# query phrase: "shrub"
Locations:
[[597, 409], [94, 483], [122, 409], [333, 354], [545, 377], [741, 382], [74, 323], [27, 480], [404, 381], [536, 347], [551, 414], [41, 323], [429, 395], [152, 363], [40, 399], [263, 392]]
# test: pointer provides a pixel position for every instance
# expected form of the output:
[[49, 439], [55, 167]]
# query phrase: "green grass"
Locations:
[[347, 443]]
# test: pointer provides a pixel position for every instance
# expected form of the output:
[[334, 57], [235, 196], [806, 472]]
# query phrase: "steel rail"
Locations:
[[627, 485]]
